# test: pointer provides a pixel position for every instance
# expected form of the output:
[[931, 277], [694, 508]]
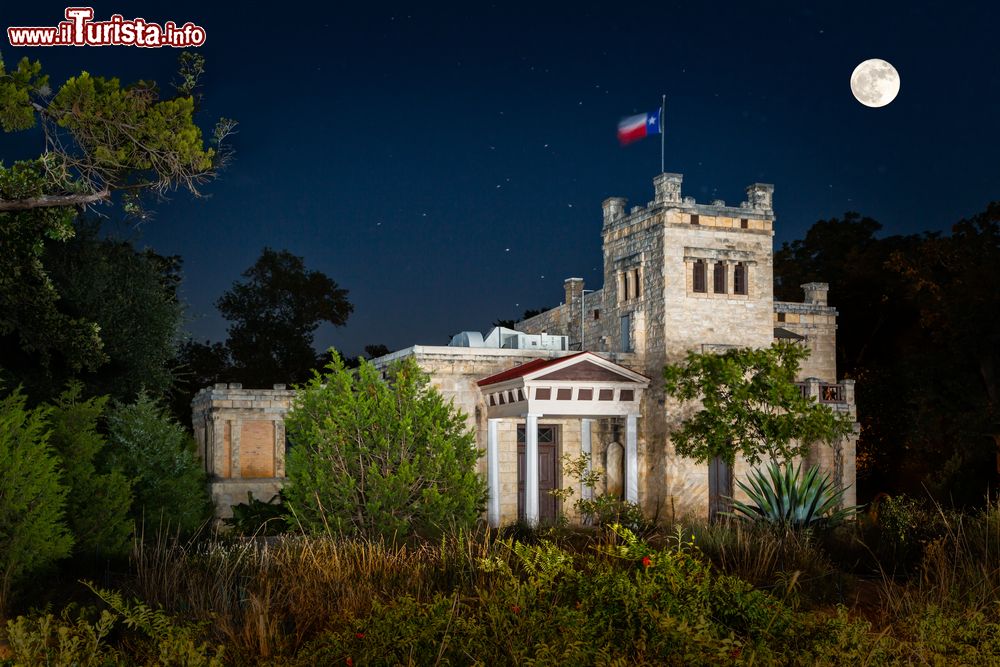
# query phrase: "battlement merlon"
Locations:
[[759, 206]]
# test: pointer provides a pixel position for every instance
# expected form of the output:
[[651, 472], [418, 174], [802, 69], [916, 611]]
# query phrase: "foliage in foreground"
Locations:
[[81, 640], [32, 495], [380, 457], [480, 599], [97, 502]]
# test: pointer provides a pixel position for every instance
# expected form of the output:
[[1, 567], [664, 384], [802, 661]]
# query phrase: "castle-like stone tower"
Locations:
[[682, 276]]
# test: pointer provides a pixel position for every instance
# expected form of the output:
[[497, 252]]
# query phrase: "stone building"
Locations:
[[240, 435], [586, 376], [680, 276]]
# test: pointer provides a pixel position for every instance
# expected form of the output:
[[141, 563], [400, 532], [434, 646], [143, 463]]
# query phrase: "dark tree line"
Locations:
[[273, 315], [919, 329]]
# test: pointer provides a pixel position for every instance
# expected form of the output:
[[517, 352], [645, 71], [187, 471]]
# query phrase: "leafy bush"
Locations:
[[150, 637], [157, 455], [257, 518], [97, 504], [786, 498], [603, 510], [32, 496], [902, 528], [48, 640], [380, 457]]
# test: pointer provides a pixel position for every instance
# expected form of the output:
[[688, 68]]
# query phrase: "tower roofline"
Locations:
[[667, 196]]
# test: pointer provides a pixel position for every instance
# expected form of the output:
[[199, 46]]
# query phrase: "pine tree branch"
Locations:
[[50, 201]]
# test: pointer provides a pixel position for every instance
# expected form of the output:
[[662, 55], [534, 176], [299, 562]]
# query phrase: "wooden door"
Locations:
[[720, 487], [548, 473]]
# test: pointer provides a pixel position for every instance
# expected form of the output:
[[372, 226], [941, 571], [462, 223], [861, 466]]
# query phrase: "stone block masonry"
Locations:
[[240, 434]]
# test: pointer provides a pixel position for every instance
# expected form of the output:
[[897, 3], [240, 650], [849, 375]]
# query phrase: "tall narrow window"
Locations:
[[626, 333], [740, 279], [699, 276], [719, 278], [628, 285], [636, 285]]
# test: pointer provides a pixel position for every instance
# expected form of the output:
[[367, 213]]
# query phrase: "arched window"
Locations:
[[719, 278], [699, 276], [740, 279]]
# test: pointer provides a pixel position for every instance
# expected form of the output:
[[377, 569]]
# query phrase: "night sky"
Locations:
[[446, 164]]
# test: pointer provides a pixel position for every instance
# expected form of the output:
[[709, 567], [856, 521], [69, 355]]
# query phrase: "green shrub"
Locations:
[[903, 526], [33, 533], [255, 518], [125, 633], [938, 637], [97, 504], [784, 497], [845, 639], [380, 457], [158, 456], [48, 640]]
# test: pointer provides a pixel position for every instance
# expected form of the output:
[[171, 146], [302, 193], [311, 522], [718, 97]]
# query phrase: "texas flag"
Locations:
[[634, 128]]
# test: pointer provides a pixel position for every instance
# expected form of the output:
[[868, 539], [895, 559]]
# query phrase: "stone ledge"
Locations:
[[808, 308]]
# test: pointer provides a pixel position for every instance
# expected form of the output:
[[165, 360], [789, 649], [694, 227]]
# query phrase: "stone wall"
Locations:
[[240, 435], [817, 322]]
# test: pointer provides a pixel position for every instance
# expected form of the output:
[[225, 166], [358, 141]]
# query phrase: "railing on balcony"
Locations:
[[831, 393], [828, 393]]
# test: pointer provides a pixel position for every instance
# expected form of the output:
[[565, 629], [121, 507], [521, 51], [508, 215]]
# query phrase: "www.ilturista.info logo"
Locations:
[[79, 29]]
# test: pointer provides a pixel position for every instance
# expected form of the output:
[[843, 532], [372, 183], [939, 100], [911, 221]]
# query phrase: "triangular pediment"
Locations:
[[585, 371]]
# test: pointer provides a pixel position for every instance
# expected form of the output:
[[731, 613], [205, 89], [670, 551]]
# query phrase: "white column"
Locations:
[[631, 460], [531, 469], [493, 472], [586, 492]]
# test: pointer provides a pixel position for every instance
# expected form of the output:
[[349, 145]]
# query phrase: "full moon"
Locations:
[[875, 83]]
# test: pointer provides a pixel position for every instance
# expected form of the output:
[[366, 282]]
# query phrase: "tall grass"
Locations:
[[766, 556], [959, 569], [268, 596]]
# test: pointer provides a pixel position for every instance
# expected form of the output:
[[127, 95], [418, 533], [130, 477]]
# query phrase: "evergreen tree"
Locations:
[[32, 496], [97, 503], [158, 456], [378, 457]]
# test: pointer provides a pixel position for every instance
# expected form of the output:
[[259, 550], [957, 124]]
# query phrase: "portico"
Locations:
[[584, 386]]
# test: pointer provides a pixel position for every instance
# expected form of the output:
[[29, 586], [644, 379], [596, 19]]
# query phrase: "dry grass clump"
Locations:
[[265, 596]]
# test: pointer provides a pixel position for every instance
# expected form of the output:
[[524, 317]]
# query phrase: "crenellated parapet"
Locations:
[[755, 214]]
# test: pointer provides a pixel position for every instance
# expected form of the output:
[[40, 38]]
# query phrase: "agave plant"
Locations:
[[782, 497]]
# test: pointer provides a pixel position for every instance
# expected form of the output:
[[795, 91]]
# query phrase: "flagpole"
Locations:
[[663, 106]]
